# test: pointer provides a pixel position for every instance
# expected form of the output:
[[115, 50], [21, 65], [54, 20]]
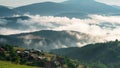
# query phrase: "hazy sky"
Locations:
[[16, 3]]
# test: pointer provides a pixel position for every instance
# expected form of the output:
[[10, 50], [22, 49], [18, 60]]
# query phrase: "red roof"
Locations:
[[2, 49]]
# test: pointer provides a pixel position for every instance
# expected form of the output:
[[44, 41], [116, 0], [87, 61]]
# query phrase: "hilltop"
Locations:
[[104, 54]]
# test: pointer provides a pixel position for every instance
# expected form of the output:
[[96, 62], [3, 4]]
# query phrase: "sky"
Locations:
[[16, 3]]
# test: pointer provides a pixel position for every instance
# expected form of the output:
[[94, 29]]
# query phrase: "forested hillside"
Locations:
[[100, 54], [17, 56]]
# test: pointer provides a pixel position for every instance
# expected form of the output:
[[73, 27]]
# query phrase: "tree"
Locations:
[[98, 65]]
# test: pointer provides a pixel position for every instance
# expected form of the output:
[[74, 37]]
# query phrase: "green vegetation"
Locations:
[[5, 64], [32, 57], [99, 55]]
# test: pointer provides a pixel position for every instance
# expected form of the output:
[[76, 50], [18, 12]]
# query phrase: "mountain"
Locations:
[[70, 8], [48, 39], [115, 6], [81, 15], [45, 8], [107, 53], [13, 22], [5, 11], [91, 6]]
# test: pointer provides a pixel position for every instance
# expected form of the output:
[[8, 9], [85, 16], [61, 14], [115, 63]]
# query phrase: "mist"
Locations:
[[106, 28]]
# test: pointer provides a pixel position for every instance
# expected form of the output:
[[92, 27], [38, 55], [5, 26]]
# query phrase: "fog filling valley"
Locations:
[[100, 28]]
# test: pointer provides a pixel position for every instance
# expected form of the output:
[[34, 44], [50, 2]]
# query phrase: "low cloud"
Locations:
[[3, 22], [105, 28], [8, 31]]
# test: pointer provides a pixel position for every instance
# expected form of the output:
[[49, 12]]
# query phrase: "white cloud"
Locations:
[[88, 26], [17, 3], [8, 31], [110, 2]]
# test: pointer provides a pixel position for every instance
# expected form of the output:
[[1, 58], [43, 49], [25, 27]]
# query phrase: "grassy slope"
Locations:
[[4, 64]]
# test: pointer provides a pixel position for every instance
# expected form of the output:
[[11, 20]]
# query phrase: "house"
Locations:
[[37, 51], [26, 51], [2, 49], [2, 52], [41, 57], [32, 57], [18, 51]]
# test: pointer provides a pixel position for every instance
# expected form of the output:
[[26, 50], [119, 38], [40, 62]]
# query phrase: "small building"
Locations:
[[18, 51], [2, 49], [26, 51], [37, 51]]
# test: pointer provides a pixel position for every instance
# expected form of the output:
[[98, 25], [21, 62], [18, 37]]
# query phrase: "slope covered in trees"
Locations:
[[33, 57], [99, 54]]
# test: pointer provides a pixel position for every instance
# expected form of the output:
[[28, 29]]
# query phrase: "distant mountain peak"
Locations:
[[80, 0], [6, 11], [77, 1], [4, 7]]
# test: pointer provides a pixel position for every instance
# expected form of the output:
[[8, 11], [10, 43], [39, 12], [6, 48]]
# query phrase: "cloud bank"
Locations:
[[105, 28]]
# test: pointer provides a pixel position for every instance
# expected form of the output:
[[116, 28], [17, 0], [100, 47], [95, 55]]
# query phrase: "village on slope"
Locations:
[[35, 57]]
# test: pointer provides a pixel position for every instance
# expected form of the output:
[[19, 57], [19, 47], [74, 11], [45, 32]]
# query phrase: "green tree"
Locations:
[[98, 65]]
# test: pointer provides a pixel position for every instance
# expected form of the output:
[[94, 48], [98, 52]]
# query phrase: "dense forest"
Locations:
[[99, 55]]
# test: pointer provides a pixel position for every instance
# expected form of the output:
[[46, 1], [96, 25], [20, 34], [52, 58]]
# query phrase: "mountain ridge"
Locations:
[[66, 7], [70, 6], [107, 53], [5, 11], [47, 39]]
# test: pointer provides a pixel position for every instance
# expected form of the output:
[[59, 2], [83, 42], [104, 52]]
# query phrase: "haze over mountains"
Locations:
[[115, 6], [48, 39], [87, 17], [62, 9], [5, 11], [70, 28], [87, 6], [70, 6]]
